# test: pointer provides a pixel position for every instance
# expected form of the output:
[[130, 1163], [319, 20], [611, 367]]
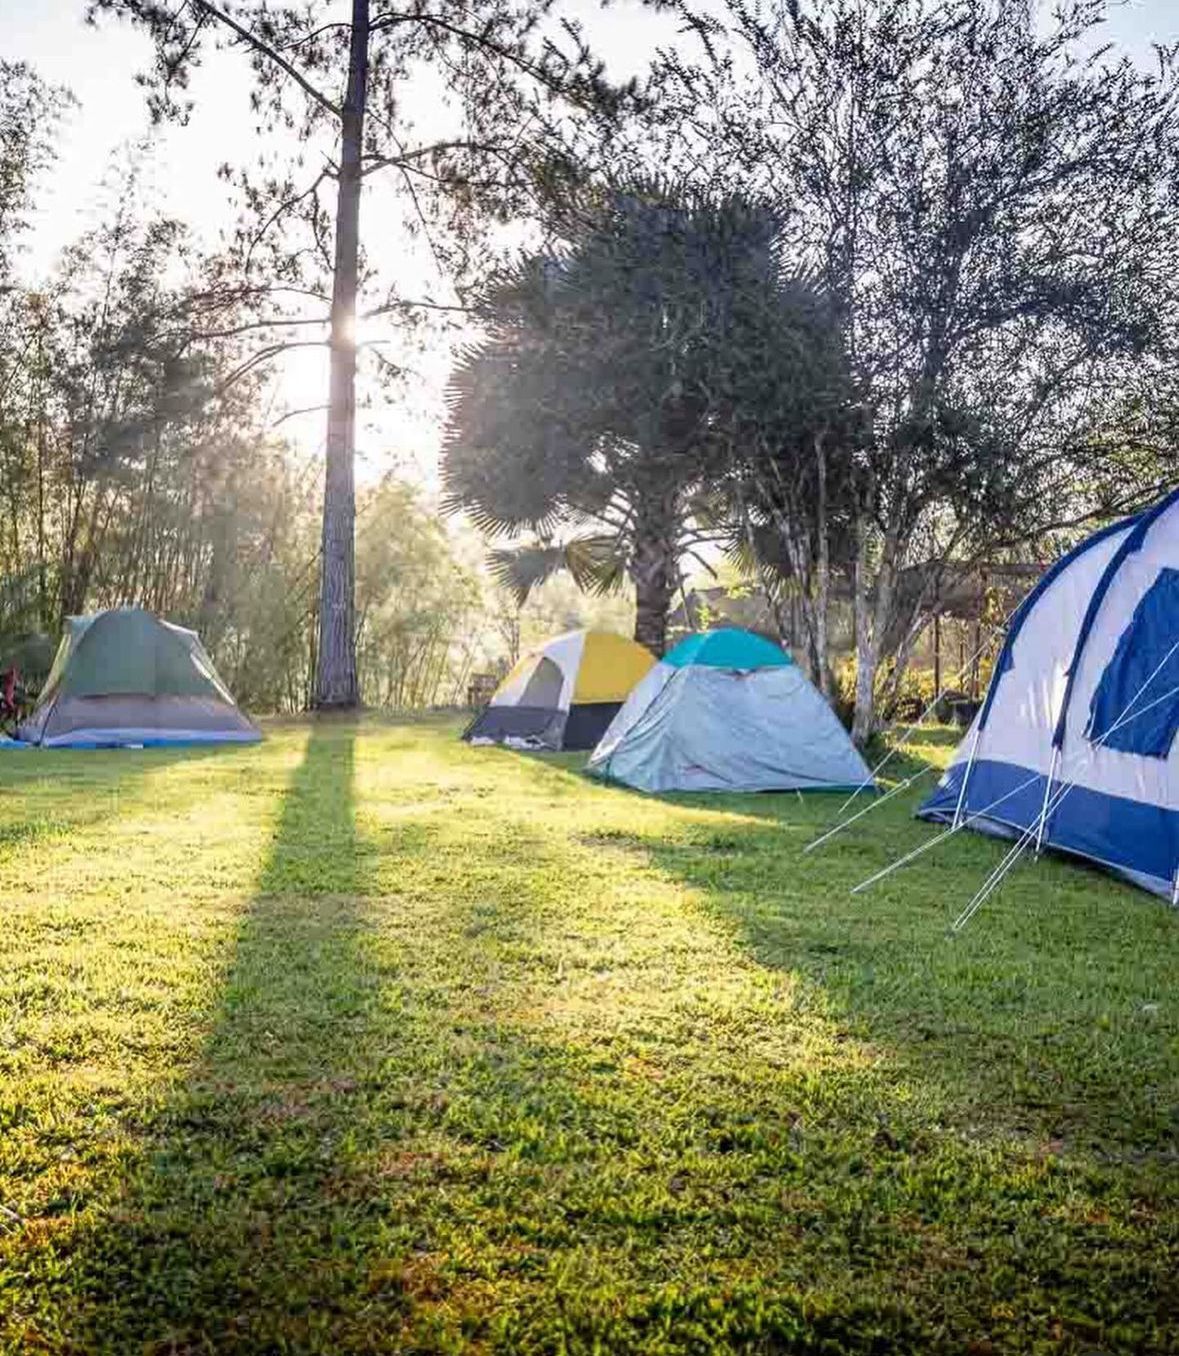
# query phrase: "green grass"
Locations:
[[366, 1041]]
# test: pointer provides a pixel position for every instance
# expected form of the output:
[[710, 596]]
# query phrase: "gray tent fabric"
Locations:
[[715, 729], [544, 687]]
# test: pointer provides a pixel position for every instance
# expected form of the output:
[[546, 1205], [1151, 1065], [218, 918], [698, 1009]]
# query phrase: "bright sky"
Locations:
[[99, 64]]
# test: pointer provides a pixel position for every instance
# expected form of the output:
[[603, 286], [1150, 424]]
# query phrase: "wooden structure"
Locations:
[[480, 686], [969, 600]]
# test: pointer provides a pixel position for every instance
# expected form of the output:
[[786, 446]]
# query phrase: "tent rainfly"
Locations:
[[125, 678], [728, 710], [1074, 746], [564, 694]]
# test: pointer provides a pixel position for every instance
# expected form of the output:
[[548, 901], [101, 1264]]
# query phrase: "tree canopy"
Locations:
[[864, 296], [990, 205]]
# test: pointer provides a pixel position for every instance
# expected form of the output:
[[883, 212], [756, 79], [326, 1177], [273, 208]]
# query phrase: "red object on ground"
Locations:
[[10, 680]]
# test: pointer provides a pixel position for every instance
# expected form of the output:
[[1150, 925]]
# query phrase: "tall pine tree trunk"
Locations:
[[335, 679], [43, 616]]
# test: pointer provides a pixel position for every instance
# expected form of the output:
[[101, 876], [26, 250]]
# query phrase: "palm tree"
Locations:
[[612, 399]]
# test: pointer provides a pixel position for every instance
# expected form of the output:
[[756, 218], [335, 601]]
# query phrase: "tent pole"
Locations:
[[1061, 792], [941, 837], [997, 876], [966, 775], [873, 805], [992, 883], [1043, 824]]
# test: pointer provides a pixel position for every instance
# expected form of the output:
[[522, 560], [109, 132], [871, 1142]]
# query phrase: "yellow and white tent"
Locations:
[[564, 694]]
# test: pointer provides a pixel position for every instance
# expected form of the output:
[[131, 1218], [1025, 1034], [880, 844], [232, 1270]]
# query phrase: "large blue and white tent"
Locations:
[[1074, 746], [727, 710]]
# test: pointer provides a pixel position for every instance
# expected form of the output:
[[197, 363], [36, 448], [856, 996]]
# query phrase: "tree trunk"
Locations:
[[335, 679], [653, 570], [796, 537], [786, 627], [42, 567], [873, 609], [937, 654], [822, 574], [975, 663], [865, 665], [900, 664]]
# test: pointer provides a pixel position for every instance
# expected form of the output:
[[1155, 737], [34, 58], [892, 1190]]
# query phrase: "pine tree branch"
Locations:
[[408, 305], [548, 79], [287, 205], [294, 414], [274, 323], [405, 159], [264, 355], [264, 49]]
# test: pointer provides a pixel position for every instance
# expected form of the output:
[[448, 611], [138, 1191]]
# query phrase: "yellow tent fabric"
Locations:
[[610, 666]]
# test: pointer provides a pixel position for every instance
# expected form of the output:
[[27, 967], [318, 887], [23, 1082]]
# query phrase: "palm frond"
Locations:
[[596, 564]]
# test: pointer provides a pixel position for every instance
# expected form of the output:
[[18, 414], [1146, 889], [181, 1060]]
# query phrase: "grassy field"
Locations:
[[365, 1041]]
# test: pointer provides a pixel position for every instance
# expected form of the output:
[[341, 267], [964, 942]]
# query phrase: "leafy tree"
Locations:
[[626, 381], [29, 110], [337, 78], [135, 468], [417, 602], [989, 205]]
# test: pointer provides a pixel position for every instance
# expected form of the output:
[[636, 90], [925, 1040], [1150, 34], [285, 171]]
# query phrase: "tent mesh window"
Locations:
[[1136, 705], [544, 687]]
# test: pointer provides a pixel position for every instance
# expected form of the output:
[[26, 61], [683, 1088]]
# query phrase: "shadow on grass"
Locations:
[[374, 1151], [1025, 1023], [221, 1216]]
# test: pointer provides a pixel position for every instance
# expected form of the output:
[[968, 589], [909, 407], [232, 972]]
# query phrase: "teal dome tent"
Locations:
[[728, 711]]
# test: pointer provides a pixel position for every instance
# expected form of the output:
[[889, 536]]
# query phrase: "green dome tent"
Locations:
[[124, 677]]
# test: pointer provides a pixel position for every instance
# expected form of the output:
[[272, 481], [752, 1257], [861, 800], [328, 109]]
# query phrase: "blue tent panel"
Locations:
[[1132, 543], [147, 739], [1006, 655], [1099, 643], [1135, 706]]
